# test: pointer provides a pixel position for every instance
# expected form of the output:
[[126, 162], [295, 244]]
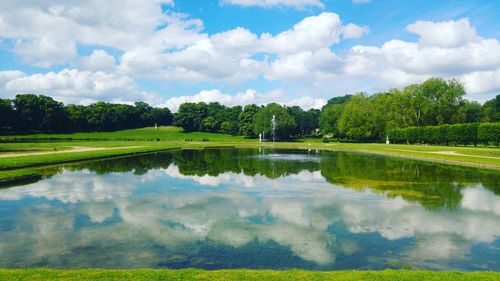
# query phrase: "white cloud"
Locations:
[[298, 4], [99, 60], [444, 34], [311, 33], [480, 199], [74, 86], [229, 56], [124, 25], [449, 49], [352, 31], [250, 96], [162, 45]]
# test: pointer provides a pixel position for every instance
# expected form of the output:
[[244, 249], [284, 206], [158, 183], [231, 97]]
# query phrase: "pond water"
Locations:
[[249, 208]]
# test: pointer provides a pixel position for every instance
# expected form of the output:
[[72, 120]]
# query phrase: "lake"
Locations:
[[250, 208]]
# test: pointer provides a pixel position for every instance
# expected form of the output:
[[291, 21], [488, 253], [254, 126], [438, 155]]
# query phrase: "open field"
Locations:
[[24, 158], [197, 274]]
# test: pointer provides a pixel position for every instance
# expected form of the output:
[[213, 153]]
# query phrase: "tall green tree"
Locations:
[[468, 112], [491, 110], [7, 115], [357, 121], [40, 113], [285, 124], [329, 119], [245, 119], [444, 99], [190, 116]]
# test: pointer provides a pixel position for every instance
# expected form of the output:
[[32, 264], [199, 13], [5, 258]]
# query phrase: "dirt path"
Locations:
[[73, 149], [460, 154]]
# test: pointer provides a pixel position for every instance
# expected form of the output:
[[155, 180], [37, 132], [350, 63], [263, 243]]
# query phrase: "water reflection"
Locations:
[[235, 208]]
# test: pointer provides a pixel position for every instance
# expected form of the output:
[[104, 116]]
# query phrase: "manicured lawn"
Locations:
[[260, 275], [149, 133]]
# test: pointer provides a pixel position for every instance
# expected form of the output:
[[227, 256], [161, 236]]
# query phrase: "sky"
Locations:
[[237, 52]]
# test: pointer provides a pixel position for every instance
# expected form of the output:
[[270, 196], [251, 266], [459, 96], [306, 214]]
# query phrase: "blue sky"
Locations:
[[296, 52]]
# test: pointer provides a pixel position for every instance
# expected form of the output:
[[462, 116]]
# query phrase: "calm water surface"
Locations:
[[245, 208]]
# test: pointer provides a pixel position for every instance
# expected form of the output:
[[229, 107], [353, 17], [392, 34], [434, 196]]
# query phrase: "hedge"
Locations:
[[464, 134]]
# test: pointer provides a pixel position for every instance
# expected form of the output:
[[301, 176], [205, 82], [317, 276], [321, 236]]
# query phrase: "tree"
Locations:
[[468, 112], [7, 115], [285, 124], [190, 116], [339, 100], [228, 114], [78, 116], [160, 116], [229, 127], [245, 119], [307, 121], [444, 99], [384, 112], [357, 120], [491, 110], [40, 113], [329, 119], [210, 124]]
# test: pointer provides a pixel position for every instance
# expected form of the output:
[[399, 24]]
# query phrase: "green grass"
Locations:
[[239, 274], [149, 133]]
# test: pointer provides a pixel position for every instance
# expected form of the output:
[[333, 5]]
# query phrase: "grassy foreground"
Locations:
[[242, 274]]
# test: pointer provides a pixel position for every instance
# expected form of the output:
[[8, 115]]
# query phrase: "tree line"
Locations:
[[32, 113], [357, 117], [247, 121], [432, 103]]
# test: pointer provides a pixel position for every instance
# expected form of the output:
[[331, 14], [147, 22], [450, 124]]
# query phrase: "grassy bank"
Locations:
[[196, 274], [19, 159], [149, 133]]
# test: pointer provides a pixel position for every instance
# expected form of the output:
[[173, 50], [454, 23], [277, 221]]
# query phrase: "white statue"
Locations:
[[387, 140]]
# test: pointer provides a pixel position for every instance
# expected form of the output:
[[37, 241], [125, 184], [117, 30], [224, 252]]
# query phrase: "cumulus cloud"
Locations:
[[352, 31], [444, 34], [311, 33], [298, 4], [229, 56], [250, 96], [450, 49], [155, 43], [99, 60], [119, 24], [74, 86]]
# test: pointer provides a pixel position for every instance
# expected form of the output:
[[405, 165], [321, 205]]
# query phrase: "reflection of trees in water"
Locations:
[[139, 165], [214, 162], [433, 185]]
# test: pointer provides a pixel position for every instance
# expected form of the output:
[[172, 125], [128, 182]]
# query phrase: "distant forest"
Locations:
[[357, 117]]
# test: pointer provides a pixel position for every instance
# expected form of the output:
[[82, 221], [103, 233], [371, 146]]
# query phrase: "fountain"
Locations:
[[273, 130]]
